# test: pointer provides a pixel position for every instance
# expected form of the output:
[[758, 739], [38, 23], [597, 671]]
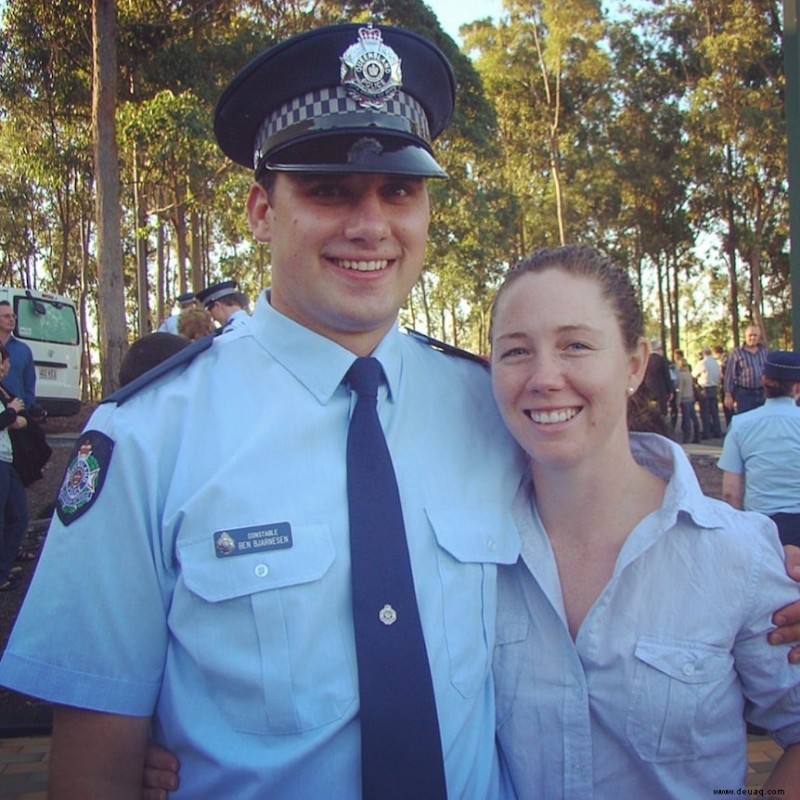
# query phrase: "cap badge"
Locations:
[[371, 71]]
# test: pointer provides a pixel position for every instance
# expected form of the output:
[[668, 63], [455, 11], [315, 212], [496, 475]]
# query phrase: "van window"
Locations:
[[46, 321]]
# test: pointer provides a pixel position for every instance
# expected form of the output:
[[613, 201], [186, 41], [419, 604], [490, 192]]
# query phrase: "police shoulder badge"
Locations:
[[371, 71], [85, 475]]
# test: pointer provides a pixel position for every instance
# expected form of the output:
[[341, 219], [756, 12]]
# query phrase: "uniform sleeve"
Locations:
[[770, 683], [731, 459], [92, 632]]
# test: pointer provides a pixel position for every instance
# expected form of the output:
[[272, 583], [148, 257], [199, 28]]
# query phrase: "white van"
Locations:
[[48, 324]]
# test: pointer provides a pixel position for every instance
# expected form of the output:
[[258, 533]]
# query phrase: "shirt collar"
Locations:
[[668, 461], [319, 363]]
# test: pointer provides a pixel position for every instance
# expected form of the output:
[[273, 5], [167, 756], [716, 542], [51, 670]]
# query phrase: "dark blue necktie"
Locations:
[[401, 750]]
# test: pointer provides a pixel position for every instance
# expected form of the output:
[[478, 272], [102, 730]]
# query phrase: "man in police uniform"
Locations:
[[202, 539], [226, 304]]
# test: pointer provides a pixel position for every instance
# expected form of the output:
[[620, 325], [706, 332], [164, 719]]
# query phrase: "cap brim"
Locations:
[[369, 153]]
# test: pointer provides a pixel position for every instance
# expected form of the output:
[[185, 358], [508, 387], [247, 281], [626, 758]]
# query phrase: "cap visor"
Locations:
[[361, 154]]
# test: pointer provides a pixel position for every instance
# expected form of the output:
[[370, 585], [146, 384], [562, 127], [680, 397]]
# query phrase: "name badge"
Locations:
[[254, 539]]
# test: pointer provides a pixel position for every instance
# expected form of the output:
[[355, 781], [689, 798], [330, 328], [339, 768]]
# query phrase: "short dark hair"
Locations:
[[148, 352], [777, 388]]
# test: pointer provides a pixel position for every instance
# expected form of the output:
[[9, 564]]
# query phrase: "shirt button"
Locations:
[[261, 570], [491, 545], [688, 669]]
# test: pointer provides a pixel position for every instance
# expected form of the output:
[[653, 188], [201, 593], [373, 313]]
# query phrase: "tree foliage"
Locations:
[[656, 134]]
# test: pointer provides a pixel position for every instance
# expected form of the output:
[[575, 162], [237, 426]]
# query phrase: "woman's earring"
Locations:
[[631, 390]]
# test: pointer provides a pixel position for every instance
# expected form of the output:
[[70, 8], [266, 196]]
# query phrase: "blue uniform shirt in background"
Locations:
[[209, 583], [764, 444], [236, 320]]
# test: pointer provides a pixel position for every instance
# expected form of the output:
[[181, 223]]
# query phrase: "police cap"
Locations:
[[782, 365], [340, 99], [217, 291]]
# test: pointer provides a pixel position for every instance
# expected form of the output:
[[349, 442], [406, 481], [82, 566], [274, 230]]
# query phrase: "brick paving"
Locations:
[[24, 761]]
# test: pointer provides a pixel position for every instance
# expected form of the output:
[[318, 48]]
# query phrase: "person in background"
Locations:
[[195, 323], [170, 324], [708, 375], [658, 380], [209, 564], [21, 379], [13, 500], [722, 359], [743, 388], [613, 679], [690, 425], [761, 453], [148, 352], [227, 305]]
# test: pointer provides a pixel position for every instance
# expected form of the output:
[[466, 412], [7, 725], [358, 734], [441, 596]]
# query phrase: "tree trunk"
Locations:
[[111, 297]]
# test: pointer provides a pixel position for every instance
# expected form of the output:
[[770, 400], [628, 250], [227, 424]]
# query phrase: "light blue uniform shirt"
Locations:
[[236, 320], [170, 325], [649, 700], [248, 661], [764, 444]]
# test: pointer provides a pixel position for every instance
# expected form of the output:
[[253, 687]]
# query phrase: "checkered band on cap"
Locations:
[[332, 108]]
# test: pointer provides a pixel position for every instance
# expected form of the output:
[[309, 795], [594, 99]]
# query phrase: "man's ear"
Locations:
[[258, 212]]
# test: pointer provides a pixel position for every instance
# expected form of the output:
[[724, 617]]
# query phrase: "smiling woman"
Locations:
[[619, 554]]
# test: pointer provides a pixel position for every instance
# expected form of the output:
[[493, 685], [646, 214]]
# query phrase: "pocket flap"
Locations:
[[689, 662], [476, 534], [216, 579]]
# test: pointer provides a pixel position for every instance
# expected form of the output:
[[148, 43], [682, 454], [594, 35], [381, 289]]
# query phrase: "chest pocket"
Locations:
[[472, 542], [266, 631], [675, 685]]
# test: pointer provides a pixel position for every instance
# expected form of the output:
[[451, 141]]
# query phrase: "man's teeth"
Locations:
[[364, 266], [552, 417]]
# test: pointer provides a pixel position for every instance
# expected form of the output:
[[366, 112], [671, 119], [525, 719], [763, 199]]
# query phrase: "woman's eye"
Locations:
[[514, 351]]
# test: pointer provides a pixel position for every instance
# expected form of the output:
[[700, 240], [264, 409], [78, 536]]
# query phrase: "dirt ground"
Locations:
[[19, 714]]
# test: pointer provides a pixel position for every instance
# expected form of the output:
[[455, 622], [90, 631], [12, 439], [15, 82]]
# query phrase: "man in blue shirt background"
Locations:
[[21, 379]]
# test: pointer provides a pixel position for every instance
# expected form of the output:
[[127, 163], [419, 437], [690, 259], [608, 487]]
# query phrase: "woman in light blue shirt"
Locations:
[[631, 641]]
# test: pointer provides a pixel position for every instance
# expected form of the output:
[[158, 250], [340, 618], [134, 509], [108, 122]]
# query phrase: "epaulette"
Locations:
[[167, 365], [448, 349]]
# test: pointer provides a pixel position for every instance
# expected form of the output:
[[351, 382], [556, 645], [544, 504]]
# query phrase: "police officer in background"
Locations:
[[210, 587], [170, 324], [227, 305]]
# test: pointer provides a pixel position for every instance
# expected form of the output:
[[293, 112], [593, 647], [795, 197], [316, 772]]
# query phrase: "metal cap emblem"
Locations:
[[371, 71]]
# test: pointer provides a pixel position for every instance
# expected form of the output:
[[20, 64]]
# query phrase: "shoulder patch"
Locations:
[[85, 475], [447, 349], [181, 357]]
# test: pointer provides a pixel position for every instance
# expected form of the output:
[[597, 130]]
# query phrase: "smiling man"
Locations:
[[209, 545]]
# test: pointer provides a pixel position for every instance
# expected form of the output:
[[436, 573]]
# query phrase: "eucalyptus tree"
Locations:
[[545, 69], [647, 143], [729, 54]]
